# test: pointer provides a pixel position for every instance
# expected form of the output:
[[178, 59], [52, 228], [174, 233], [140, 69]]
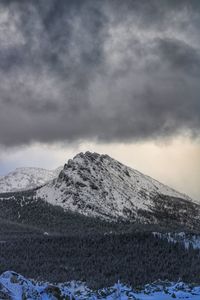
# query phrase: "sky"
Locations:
[[115, 77]]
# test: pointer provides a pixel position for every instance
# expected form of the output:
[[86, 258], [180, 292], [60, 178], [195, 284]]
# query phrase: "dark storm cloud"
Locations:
[[180, 55], [106, 70]]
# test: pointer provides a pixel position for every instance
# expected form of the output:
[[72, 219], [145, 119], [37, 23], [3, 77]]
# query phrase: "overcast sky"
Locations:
[[119, 77]]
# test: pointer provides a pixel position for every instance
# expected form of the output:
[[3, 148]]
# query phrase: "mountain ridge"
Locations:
[[26, 178]]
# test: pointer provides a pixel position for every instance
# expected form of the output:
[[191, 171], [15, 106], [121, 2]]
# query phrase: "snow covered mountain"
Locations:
[[97, 185], [26, 178]]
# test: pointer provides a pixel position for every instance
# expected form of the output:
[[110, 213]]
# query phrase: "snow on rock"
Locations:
[[97, 185], [26, 178], [15, 287]]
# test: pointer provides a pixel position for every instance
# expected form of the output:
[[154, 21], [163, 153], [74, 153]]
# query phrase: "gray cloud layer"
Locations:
[[110, 70]]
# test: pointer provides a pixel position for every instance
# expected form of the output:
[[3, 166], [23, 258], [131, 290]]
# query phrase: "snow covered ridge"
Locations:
[[16, 287], [97, 185], [26, 178]]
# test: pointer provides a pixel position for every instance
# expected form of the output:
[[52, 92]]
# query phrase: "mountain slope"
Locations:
[[23, 208], [26, 178], [136, 258], [97, 185]]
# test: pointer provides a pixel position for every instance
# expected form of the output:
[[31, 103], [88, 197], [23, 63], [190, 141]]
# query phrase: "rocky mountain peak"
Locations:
[[98, 185], [87, 158]]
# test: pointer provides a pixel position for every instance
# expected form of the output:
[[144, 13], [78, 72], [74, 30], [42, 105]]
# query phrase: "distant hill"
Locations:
[[26, 178]]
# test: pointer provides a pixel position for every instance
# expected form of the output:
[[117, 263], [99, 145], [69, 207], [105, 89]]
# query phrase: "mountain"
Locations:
[[99, 186], [100, 213], [26, 178]]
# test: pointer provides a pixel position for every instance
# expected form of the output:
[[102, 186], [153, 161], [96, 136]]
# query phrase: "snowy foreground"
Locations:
[[15, 287]]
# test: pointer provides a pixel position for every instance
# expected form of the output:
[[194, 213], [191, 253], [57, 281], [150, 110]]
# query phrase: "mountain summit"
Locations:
[[100, 186]]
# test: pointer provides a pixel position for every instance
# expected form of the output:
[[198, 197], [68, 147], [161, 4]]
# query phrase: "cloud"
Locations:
[[103, 70]]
